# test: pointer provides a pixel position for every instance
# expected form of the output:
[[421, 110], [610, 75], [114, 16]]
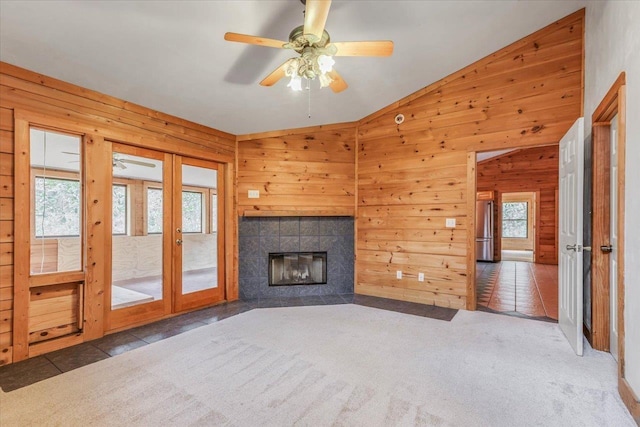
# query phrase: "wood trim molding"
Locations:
[[600, 236], [613, 103], [471, 236], [630, 399], [22, 240], [609, 104]]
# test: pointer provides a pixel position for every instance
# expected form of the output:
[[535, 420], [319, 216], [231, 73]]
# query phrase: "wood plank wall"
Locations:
[[102, 115], [533, 169], [414, 175], [6, 234], [298, 172]]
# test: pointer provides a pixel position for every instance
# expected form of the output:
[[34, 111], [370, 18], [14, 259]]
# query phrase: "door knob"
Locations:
[[607, 249], [178, 242]]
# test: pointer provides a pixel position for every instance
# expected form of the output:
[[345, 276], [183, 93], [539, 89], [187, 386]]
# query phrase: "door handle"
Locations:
[[178, 242], [607, 249], [571, 247]]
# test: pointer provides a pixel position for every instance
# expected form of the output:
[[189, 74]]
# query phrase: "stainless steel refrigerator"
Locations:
[[484, 230]]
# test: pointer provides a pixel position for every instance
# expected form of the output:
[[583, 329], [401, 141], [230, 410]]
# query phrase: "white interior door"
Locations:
[[570, 248], [613, 241]]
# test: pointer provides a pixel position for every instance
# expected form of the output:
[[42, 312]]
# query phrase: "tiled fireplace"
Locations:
[[260, 237]]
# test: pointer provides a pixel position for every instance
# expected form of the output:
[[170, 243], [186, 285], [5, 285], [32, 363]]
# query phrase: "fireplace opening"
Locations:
[[297, 268]]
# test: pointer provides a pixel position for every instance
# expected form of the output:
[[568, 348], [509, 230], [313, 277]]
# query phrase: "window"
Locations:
[[154, 210], [119, 204], [515, 219], [57, 207], [191, 212]]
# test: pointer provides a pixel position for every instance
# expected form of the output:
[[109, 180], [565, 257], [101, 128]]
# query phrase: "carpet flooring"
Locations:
[[337, 365]]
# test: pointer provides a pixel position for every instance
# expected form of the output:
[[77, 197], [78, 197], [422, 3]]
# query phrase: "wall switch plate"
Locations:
[[253, 194], [420, 277], [450, 223], [399, 274]]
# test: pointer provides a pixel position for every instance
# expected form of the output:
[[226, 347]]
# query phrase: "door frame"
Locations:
[[612, 104], [472, 180]]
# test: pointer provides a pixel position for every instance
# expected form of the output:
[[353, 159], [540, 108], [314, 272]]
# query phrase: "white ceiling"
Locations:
[[170, 55]]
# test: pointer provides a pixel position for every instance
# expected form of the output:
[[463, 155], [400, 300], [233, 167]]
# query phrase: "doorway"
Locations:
[[521, 277], [165, 240], [517, 231]]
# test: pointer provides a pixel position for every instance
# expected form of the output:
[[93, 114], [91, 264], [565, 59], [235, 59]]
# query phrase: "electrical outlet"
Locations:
[[399, 274], [253, 194], [450, 223], [420, 277]]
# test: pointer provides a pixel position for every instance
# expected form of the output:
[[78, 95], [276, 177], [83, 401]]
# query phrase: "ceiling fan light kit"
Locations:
[[313, 43]]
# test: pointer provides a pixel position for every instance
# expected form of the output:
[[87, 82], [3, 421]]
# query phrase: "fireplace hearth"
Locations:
[[297, 268]]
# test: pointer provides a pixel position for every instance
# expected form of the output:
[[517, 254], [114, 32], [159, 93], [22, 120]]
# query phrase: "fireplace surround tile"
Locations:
[[309, 243], [260, 236], [289, 243], [309, 226], [269, 226], [290, 226]]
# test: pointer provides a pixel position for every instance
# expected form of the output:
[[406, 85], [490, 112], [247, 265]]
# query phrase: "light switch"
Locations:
[[399, 274], [420, 277], [254, 194], [450, 223]]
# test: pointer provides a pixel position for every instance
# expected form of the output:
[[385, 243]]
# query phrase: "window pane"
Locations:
[[154, 210], [57, 207], [515, 228], [514, 210], [191, 212], [119, 209]]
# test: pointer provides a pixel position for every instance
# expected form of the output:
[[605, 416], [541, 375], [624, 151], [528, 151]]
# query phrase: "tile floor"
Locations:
[[39, 368], [519, 288]]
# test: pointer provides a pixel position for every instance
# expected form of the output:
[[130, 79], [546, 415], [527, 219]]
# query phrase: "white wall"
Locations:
[[612, 46]]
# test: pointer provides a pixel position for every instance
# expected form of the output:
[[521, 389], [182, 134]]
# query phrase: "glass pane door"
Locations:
[[140, 205], [197, 238]]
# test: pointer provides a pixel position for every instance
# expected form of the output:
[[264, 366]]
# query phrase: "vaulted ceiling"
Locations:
[[171, 56]]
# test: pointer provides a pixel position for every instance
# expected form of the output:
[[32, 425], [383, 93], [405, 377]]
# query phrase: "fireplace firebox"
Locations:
[[297, 268]]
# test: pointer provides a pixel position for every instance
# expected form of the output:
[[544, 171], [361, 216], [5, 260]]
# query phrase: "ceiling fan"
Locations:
[[312, 42], [118, 162]]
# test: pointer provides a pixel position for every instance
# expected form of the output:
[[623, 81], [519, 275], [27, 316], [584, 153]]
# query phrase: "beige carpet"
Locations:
[[337, 365]]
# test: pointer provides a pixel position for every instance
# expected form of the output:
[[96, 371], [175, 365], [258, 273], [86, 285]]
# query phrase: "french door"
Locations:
[[164, 241], [198, 256]]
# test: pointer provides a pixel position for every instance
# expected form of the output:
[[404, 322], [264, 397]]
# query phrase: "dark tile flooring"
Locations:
[[39, 368]]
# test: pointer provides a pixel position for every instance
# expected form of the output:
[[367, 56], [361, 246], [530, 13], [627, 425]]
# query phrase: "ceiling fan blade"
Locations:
[[69, 152], [338, 84], [315, 17], [276, 75], [369, 48], [136, 162], [260, 41]]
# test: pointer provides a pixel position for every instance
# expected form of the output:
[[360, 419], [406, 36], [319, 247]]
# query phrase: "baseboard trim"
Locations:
[[630, 399]]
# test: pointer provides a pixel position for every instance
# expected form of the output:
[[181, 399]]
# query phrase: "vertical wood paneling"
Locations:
[[413, 176], [98, 166], [528, 170], [300, 172]]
